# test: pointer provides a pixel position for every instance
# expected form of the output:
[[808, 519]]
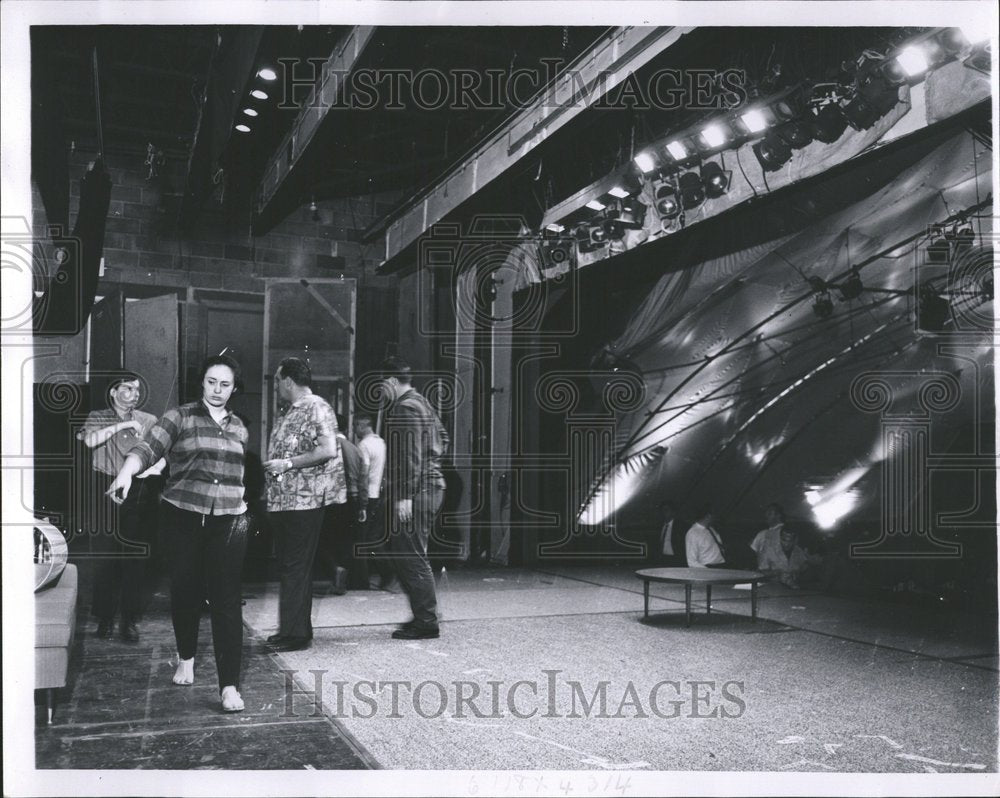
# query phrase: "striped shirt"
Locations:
[[109, 457], [205, 458]]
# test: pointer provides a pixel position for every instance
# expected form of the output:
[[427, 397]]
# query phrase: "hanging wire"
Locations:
[[743, 171]]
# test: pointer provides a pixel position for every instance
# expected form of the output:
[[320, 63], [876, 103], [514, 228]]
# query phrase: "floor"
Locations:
[[555, 669]]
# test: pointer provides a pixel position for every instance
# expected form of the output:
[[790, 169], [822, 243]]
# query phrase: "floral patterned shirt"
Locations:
[[298, 432]]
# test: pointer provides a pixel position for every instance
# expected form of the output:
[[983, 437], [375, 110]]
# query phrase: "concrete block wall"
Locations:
[[146, 254]]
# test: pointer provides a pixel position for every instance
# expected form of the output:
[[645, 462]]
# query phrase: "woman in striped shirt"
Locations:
[[204, 520]]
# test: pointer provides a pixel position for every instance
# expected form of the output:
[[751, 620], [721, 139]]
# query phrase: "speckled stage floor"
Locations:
[[555, 669]]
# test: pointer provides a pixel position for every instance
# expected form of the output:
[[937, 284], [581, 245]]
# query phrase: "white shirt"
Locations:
[[373, 452], [702, 547]]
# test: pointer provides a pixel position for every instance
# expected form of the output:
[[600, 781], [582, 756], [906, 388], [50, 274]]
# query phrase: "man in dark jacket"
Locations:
[[415, 441]]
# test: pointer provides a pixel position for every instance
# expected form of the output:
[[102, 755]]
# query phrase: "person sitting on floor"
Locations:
[[702, 544], [778, 550]]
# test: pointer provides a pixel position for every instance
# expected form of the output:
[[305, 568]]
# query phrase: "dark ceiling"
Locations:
[[154, 79]]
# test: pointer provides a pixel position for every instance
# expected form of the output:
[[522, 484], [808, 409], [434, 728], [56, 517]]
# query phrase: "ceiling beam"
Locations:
[[321, 100], [590, 77]]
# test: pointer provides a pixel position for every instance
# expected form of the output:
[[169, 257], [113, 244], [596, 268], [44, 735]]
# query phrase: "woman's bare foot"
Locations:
[[184, 674], [232, 701]]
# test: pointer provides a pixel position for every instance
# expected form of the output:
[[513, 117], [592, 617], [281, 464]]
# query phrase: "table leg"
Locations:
[[645, 598], [753, 601], [687, 604], [708, 599]]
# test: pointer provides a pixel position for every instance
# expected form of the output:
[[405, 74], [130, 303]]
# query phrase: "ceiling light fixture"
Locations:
[[266, 73], [829, 123], [755, 121], [692, 190], [250, 112], [714, 136], [596, 205], [243, 128], [678, 151], [258, 94], [772, 152], [715, 179], [667, 204], [646, 162]]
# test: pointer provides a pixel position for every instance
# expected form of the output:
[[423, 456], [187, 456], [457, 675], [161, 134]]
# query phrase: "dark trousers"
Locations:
[[408, 544], [124, 550], [297, 536], [206, 553], [374, 553], [336, 546]]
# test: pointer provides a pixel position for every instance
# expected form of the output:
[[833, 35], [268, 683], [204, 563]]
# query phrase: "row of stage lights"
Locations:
[[777, 126], [257, 95]]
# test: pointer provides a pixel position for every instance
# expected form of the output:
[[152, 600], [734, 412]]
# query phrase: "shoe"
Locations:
[[292, 644], [184, 675], [232, 701], [414, 632], [105, 630], [129, 632], [277, 638]]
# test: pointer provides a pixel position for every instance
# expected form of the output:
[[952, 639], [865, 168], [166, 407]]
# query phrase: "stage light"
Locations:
[[772, 152], [913, 61], [874, 98], [829, 123], [714, 136], [785, 109], [598, 235], [555, 227], [250, 112], [692, 190], [619, 192], [852, 287], [939, 249], [754, 121], [314, 210], [667, 204], [678, 151], [798, 134], [267, 74], [243, 128], [624, 214], [962, 240], [645, 161], [584, 242], [823, 305], [596, 205], [257, 94], [716, 179]]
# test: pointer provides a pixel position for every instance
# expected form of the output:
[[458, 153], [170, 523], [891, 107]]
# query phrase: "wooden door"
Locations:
[[151, 349]]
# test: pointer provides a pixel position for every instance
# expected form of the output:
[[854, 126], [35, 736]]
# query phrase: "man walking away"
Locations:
[[415, 441]]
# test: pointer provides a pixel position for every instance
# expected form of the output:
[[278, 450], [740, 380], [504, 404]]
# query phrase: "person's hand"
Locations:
[[279, 466], [133, 425], [120, 488], [404, 510], [362, 516]]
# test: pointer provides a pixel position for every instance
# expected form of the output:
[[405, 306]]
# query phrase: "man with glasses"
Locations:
[[305, 475]]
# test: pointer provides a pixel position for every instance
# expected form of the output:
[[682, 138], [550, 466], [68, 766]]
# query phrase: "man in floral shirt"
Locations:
[[305, 474]]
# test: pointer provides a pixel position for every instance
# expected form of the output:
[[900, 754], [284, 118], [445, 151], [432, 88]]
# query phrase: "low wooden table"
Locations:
[[700, 576]]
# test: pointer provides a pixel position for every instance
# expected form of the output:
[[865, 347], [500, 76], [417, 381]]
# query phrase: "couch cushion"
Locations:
[[55, 611]]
